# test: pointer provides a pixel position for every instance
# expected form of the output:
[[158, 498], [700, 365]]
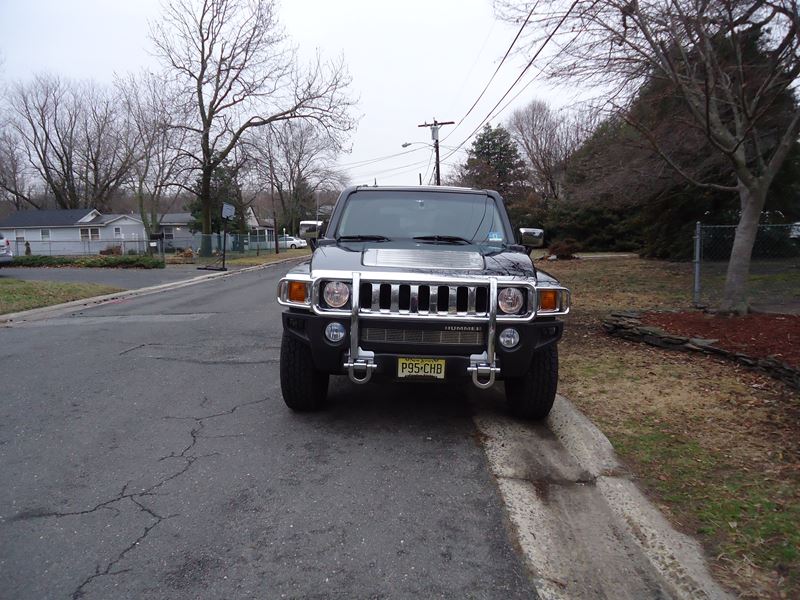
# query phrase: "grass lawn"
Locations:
[[713, 444], [17, 295]]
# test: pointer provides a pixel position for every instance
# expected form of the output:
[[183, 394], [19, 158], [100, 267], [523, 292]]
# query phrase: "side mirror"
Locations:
[[531, 238], [313, 243]]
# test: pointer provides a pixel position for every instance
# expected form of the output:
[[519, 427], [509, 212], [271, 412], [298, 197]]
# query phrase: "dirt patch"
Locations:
[[758, 336]]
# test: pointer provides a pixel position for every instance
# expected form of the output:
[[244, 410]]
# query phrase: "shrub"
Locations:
[[564, 249], [112, 262]]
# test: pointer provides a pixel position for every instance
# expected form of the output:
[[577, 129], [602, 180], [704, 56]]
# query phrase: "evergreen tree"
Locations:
[[224, 187], [494, 163]]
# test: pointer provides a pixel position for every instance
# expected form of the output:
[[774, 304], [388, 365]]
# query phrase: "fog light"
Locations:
[[334, 332], [509, 338]]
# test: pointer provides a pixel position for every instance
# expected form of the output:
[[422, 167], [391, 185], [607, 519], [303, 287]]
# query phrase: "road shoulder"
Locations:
[[584, 527]]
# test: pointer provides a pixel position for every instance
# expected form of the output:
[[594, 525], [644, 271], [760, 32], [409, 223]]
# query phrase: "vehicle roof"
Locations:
[[415, 188]]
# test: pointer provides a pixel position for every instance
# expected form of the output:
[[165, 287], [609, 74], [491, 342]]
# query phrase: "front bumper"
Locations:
[[331, 358]]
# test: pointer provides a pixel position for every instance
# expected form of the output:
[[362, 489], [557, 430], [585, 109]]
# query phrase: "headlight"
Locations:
[[510, 300], [336, 294]]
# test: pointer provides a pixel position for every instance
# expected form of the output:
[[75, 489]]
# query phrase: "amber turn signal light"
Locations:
[[548, 300], [297, 291]]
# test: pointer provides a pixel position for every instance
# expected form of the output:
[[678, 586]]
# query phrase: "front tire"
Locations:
[[304, 387], [532, 395]]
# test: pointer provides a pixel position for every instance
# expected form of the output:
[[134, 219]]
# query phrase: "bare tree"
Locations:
[[160, 168], [732, 62], [104, 152], [237, 72], [548, 140], [73, 138], [16, 185], [297, 163]]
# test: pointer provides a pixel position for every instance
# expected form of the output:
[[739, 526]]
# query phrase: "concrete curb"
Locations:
[[678, 558], [48, 311]]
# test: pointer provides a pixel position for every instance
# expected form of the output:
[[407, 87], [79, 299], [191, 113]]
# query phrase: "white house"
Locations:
[[87, 231], [177, 234], [73, 231]]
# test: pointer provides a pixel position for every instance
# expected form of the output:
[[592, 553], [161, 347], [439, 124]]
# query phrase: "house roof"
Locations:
[[44, 218], [183, 218], [106, 219]]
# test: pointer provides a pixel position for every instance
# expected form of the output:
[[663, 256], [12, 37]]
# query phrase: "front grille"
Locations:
[[423, 336], [424, 299]]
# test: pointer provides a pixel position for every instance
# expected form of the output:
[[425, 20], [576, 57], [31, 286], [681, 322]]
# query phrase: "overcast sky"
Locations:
[[410, 61]]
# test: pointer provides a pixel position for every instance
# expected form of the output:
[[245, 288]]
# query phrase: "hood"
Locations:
[[431, 259]]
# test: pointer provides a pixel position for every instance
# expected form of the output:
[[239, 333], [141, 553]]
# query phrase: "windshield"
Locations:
[[437, 216]]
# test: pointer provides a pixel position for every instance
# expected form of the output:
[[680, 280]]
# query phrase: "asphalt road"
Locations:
[[145, 452], [127, 279]]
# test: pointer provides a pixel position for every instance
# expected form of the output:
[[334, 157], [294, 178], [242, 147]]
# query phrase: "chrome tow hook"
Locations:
[[483, 372], [360, 369]]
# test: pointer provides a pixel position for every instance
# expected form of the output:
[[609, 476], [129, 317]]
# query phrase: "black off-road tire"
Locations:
[[304, 388], [531, 396]]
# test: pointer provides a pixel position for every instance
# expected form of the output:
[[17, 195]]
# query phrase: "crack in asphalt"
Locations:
[[220, 414], [200, 361], [136, 497], [79, 591]]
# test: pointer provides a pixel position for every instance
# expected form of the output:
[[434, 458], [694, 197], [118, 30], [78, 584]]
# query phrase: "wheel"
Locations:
[[294, 247], [304, 388], [531, 396]]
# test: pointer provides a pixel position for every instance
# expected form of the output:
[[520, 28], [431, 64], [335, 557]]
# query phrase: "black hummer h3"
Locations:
[[426, 284]]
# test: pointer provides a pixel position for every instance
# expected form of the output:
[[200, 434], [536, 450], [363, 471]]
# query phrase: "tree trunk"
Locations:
[[734, 298], [205, 201]]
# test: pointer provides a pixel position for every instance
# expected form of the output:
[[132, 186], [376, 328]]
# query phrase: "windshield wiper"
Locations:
[[444, 239], [362, 238]]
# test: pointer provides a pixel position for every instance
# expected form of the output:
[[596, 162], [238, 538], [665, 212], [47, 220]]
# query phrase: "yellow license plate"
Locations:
[[421, 367]]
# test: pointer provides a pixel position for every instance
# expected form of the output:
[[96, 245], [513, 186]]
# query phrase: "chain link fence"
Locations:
[[188, 246], [774, 269]]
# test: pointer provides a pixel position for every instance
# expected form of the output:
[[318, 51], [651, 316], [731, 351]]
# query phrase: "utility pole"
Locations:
[[435, 137]]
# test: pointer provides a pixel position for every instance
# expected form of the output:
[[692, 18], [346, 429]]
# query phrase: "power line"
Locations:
[[368, 161], [491, 79], [412, 166], [532, 79], [528, 66]]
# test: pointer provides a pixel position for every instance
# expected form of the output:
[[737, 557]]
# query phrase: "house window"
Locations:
[[45, 233], [90, 233], [117, 233], [168, 233], [20, 235]]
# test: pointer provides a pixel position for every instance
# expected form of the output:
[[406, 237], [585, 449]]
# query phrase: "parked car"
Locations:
[[287, 241], [6, 254], [422, 284]]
